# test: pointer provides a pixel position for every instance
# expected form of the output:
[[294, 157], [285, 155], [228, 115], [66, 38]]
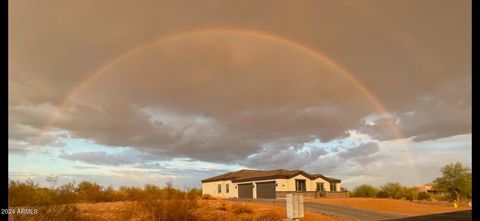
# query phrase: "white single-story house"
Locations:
[[271, 184]]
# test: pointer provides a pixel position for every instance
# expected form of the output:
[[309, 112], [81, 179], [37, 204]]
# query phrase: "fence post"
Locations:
[[294, 206]]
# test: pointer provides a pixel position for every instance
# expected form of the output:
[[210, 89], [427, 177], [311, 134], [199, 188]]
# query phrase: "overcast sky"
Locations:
[[134, 92]]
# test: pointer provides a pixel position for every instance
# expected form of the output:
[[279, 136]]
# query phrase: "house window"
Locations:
[[320, 186], [333, 187], [300, 186], [227, 188], [219, 188]]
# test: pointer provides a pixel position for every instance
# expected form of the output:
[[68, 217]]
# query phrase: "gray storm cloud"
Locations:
[[223, 97]]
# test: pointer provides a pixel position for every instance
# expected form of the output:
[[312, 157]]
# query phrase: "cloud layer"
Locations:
[[230, 97]]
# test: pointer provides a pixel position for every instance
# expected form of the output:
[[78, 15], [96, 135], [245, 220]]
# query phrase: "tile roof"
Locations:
[[252, 175]]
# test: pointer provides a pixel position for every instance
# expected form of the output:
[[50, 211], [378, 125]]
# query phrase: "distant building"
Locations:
[[428, 188], [271, 184]]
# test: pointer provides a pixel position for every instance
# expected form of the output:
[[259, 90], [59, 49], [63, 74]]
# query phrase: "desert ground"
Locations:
[[215, 209], [218, 209], [403, 207]]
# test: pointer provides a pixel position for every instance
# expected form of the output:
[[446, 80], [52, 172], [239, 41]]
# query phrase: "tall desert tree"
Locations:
[[455, 179], [393, 190]]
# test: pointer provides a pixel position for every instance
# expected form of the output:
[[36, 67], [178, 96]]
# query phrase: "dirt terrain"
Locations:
[[403, 207], [255, 210], [261, 208], [337, 211], [208, 210], [366, 208]]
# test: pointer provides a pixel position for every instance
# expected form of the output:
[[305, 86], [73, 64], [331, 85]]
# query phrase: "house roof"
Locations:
[[426, 187], [253, 175]]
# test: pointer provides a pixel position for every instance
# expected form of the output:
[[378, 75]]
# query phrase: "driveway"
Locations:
[[465, 215], [333, 210]]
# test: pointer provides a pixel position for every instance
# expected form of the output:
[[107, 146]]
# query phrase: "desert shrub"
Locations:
[[423, 196], [443, 197], [194, 193], [168, 192], [27, 193], [66, 194], [67, 212], [89, 192], [130, 211], [241, 209], [222, 207], [174, 209], [393, 190], [42, 196], [109, 195], [131, 193], [162, 203], [214, 215], [397, 191], [269, 216], [57, 204], [410, 193], [19, 192], [152, 191], [382, 194], [365, 191], [61, 212], [245, 217], [207, 197]]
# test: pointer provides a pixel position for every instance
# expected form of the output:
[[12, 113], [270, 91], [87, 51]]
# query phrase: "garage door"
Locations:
[[266, 190], [245, 190]]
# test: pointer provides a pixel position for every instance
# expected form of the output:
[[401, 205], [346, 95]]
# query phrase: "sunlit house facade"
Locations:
[[271, 184]]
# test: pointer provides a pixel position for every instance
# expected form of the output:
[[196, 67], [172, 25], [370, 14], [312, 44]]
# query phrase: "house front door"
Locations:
[[320, 189]]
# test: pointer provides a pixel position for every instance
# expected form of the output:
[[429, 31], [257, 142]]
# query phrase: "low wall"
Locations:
[[336, 194], [313, 194], [307, 194]]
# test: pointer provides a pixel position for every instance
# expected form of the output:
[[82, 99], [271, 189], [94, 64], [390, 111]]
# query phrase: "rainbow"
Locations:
[[343, 71]]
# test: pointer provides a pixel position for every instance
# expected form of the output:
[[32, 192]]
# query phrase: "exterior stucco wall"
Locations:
[[326, 184], [211, 188], [311, 185], [339, 187], [282, 185]]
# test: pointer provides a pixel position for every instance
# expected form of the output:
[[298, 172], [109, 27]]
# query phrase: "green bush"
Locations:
[[457, 180], [66, 194], [382, 194], [89, 192], [27, 193], [110, 195], [365, 191], [132, 193], [393, 190], [194, 193], [423, 196], [410, 193]]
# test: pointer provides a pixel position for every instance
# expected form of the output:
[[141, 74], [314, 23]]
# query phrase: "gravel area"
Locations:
[[450, 216], [333, 210]]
